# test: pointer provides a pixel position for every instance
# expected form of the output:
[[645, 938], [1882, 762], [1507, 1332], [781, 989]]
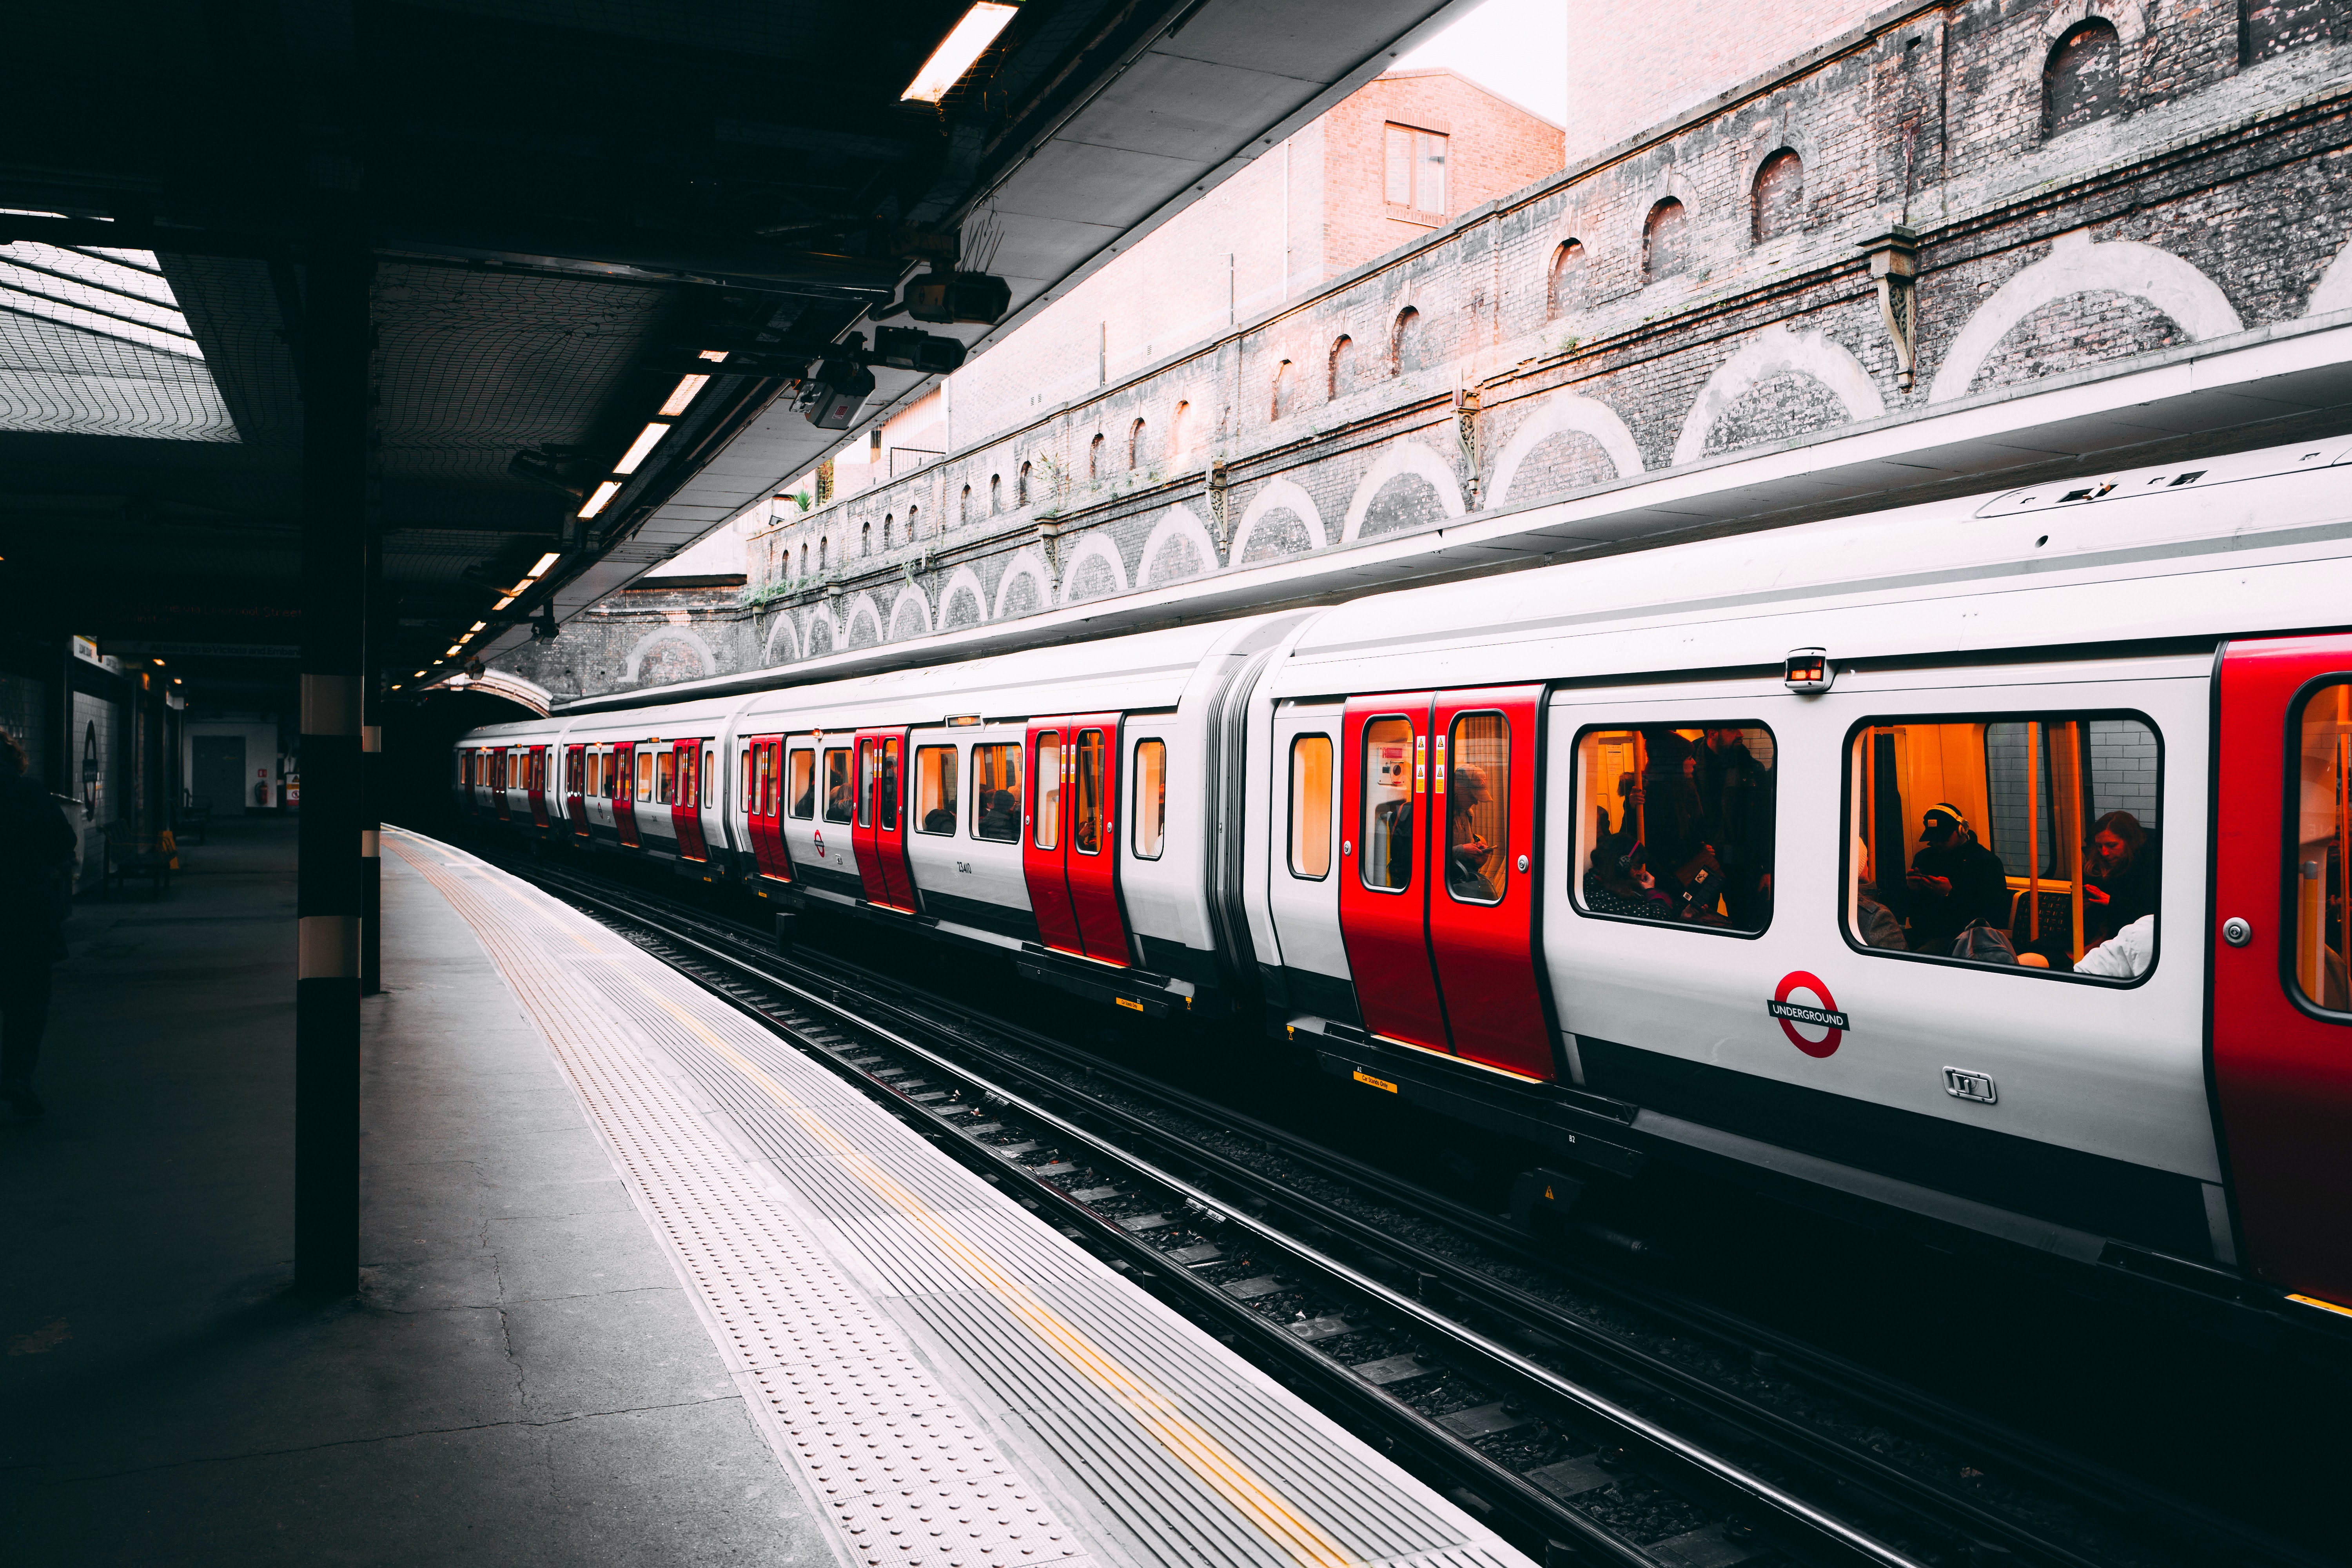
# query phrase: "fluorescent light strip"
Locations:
[[639, 447], [957, 52], [478, 626], [716, 356], [602, 499], [546, 560], [502, 603], [687, 388]]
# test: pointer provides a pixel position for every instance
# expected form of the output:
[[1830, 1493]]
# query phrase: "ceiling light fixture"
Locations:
[[957, 51], [716, 356], [546, 560], [602, 499], [478, 626], [639, 447], [451, 651], [419, 676], [502, 603], [687, 388]]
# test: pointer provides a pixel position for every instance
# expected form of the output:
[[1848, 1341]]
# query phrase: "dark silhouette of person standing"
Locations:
[[37, 852]]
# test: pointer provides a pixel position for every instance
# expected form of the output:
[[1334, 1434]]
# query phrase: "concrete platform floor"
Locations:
[[522, 1379]]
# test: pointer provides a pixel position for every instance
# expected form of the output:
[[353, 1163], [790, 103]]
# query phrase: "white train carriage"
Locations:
[[1876, 856]]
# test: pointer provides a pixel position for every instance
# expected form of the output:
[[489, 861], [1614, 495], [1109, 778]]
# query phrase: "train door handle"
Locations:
[[2237, 933], [1523, 863]]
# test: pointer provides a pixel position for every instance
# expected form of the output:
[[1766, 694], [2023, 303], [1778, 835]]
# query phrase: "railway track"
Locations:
[[1576, 1440]]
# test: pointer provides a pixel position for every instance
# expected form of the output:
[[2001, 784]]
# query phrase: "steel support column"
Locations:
[[370, 760], [335, 384]]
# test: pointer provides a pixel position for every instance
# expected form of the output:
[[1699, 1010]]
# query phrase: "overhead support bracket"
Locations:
[[1894, 266]]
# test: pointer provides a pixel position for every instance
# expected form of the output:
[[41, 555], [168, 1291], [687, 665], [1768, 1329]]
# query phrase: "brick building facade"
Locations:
[[2090, 184]]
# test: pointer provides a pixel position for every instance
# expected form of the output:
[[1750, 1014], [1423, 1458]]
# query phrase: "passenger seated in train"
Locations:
[[2124, 955], [1002, 819], [1954, 883], [939, 819], [1875, 923], [2120, 875], [1617, 883], [1468, 857], [804, 803], [1735, 792], [1393, 843]]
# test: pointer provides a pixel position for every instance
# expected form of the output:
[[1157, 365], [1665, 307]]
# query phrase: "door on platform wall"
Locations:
[[1070, 851], [218, 773], [625, 784], [880, 834], [686, 801], [575, 798], [2282, 1021], [1437, 887], [536, 762]]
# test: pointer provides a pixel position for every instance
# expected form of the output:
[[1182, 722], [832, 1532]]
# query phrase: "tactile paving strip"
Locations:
[[1196, 1457]]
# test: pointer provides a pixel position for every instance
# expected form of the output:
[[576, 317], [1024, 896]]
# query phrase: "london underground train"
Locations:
[[1982, 860]]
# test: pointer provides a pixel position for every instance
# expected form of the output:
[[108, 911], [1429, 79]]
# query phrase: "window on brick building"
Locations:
[[1564, 291], [1094, 457], [965, 514], [995, 494], [889, 532], [1662, 241], [1021, 486], [825, 554], [2266, 27], [804, 558], [1416, 169], [1176, 428], [1285, 393], [1780, 196], [911, 512], [1405, 347], [1343, 368], [1134, 445], [865, 539], [2083, 79]]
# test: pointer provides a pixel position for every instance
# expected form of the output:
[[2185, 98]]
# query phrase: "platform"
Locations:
[[642, 1284]]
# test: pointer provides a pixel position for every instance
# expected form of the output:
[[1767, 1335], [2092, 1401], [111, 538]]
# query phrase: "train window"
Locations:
[[1150, 798], [1087, 804], [804, 783], [838, 795], [885, 791], [1049, 791], [1310, 806], [1475, 772], [646, 776], [2321, 863], [2021, 843], [708, 769], [996, 793], [1674, 822], [664, 777], [1386, 863], [758, 788], [935, 789]]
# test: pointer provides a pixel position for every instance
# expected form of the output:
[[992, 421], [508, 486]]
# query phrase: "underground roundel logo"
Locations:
[[1820, 1012], [820, 843]]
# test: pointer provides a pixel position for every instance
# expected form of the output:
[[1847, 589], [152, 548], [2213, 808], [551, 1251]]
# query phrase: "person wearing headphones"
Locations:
[[1954, 880]]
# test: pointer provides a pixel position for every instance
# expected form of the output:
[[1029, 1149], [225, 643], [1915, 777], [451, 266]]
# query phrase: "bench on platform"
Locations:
[[135, 855]]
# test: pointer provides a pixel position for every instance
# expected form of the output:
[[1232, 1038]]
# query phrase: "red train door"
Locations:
[[538, 766], [880, 830], [576, 774], [686, 802], [1384, 860], [502, 765], [1069, 854], [624, 792], [1482, 876], [2282, 1039]]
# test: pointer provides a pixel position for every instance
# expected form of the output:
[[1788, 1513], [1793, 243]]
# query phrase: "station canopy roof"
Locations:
[[572, 205]]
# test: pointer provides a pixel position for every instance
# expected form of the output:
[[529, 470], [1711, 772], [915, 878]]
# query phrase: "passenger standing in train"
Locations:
[[2119, 881], [1954, 882], [1735, 807], [36, 856], [1466, 850], [1669, 819]]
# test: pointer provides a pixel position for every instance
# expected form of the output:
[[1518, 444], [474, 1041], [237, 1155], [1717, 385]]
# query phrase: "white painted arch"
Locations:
[[1402, 458], [1777, 350], [1029, 564], [785, 633], [2076, 266], [1179, 521], [966, 579], [1094, 547], [1274, 496], [665, 633], [2334, 290], [1566, 414], [911, 595], [864, 610]]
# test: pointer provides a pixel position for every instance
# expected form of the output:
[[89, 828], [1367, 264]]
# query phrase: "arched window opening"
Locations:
[[1283, 394], [995, 494], [1094, 458], [889, 532], [964, 514], [1564, 290], [1405, 344], [1134, 445], [865, 539], [1176, 428], [1780, 196], [2267, 27], [1021, 486], [825, 554], [2083, 81], [910, 523], [1343, 368], [1662, 241], [804, 558]]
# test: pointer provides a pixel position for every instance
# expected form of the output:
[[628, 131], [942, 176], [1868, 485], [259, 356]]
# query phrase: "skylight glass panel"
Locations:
[[92, 342]]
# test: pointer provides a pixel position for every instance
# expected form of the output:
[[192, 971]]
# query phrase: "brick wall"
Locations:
[[2209, 207]]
